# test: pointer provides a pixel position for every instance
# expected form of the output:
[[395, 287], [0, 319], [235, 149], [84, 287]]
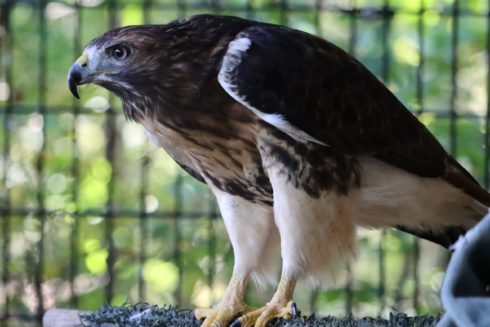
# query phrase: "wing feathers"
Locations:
[[315, 92], [227, 77], [459, 177]]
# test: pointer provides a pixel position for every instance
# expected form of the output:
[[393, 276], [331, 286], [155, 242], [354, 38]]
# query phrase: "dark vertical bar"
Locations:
[[317, 10], [5, 209], [382, 277], [178, 237], [215, 6], [143, 217], [41, 212], [349, 293], [387, 14], [284, 11], [398, 297], [312, 300], [353, 27], [420, 67], [146, 11], [212, 243], [249, 9], [487, 117], [75, 171], [416, 277], [454, 75], [111, 134], [419, 110], [110, 154], [143, 225], [182, 6]]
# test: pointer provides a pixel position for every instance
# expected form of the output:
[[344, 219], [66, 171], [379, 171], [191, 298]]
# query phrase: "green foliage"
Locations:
[[188, 260]]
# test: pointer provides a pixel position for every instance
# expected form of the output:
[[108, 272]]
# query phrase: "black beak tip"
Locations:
[[73, 81]]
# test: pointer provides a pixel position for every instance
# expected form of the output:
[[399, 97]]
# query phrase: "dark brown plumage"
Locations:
[[269, 117]]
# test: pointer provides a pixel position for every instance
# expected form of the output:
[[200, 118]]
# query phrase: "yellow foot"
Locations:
[[261, 317], [220, 316]]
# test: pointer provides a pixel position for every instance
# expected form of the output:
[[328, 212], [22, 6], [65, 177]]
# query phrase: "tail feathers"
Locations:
[[444, 237], [448, 235], [459, 177], [436, 209], [480, 208]]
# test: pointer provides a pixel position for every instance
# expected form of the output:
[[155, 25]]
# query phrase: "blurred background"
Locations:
[[92, 213]]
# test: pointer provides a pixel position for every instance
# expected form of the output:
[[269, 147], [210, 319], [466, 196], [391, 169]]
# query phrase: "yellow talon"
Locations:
[[281, 306], [230, 307], [220, 316], [202, 313], [261, 317]]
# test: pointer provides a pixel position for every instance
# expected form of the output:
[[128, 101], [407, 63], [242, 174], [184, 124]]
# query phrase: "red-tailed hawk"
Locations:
[[298, 141]]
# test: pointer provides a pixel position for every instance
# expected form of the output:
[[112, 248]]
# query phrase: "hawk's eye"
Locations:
[[120, 52]]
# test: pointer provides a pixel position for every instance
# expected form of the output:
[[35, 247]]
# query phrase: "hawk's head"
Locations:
[[120, 59], [154, 64]]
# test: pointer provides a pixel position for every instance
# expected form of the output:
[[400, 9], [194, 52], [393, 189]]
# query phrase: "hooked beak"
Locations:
[[78, 75]]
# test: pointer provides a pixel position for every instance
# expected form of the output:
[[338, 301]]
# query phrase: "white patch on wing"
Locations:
[[240, 45], [253, 236], [236, 50], [389, 196]]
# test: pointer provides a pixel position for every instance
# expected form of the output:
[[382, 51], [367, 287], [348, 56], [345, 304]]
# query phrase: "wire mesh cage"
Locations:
[[92, 213]]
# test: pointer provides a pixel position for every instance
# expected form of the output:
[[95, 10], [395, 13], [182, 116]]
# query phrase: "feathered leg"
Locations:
[[316, 231], [250, 228]]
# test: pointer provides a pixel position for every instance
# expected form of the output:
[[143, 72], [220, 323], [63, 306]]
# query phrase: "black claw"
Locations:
[[311, 317], [294, 310], [236, 323]]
